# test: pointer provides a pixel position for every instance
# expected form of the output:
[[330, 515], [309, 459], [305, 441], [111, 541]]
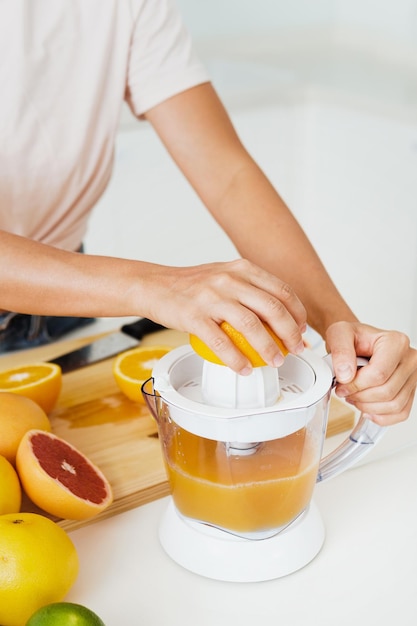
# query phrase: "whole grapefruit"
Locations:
[[39, 565]]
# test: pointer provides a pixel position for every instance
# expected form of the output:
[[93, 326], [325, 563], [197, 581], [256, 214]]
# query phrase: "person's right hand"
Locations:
[[198, 299], [384, 389]]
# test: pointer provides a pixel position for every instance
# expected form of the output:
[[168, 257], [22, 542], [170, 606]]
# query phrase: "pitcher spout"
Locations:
[[148, 392]]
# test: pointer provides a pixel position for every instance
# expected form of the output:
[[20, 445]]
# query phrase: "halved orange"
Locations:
[[133, 367], [240, 342], [40, 382], [59, 478]]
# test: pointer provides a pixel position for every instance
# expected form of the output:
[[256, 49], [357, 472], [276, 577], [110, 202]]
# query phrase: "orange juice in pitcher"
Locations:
[[245, 492]]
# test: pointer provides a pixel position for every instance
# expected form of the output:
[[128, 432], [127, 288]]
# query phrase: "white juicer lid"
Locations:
[[304, 381]]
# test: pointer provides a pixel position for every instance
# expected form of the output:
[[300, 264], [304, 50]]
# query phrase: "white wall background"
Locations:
[[237, 17], [395, 20]]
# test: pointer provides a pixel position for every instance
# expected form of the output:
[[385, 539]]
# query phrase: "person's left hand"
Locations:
[[384, 389]]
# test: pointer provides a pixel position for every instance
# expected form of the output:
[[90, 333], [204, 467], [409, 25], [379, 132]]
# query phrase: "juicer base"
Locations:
[[219, 555]]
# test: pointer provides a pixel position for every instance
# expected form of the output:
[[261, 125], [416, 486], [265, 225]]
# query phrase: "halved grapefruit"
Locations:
[[59, 478]]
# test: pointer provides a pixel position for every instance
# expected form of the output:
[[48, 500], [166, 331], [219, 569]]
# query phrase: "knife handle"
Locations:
[[141, 327]]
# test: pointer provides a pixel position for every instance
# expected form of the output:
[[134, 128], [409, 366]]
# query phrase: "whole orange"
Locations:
[[18, 415], [10, 490]]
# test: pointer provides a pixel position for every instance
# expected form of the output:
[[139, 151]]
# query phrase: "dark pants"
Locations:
[[18, 331]]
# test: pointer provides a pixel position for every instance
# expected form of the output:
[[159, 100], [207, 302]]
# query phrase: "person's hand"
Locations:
[[198, 299], [384, 389]]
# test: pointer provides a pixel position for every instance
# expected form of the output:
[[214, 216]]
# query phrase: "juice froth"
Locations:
[[259, 491]]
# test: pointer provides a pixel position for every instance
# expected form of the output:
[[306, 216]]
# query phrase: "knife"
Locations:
[[128, 336]]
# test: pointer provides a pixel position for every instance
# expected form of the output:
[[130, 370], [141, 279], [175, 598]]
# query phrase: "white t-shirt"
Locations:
[[65, 68]]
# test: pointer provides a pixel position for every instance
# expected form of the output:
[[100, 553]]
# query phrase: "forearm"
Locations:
[[271, 237], [39, 279]]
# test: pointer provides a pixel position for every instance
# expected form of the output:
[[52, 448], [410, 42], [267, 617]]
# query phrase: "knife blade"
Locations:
[[128, 336]]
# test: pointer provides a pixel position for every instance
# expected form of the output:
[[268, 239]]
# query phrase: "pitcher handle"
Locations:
[[361, 440]]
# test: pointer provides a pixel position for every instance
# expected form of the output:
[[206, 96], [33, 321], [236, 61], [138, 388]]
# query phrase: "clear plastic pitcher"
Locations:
[[249, 472]]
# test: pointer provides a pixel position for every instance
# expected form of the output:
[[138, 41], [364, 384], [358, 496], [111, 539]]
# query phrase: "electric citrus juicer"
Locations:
[[243, 454]]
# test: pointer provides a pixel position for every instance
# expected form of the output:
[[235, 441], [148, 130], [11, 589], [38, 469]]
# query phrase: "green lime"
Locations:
[[64, 614]]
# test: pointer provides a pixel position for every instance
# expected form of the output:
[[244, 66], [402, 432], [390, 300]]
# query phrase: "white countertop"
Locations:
[[365, 574]]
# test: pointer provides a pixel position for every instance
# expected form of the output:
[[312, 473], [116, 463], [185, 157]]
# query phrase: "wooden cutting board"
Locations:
[[119, 435]]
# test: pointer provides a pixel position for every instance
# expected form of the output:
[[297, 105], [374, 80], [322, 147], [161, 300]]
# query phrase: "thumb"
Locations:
[[340, 341]]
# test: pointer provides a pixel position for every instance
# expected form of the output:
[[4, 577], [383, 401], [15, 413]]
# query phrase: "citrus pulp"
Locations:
[[39, 381], [64, 614], [133, 367], [59, 478], [18, 415], [239, 341], [10, 491], [39, 565]]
